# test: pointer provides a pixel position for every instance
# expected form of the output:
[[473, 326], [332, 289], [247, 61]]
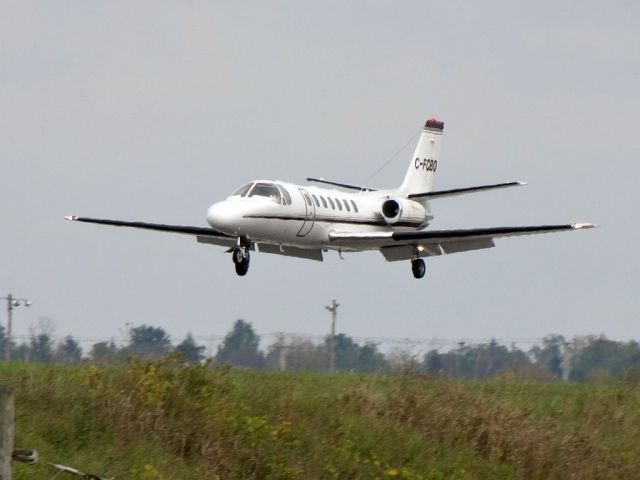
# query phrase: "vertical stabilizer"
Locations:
[[424, 163]]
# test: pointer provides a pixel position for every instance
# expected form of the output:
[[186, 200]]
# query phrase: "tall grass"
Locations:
[[168, 420]]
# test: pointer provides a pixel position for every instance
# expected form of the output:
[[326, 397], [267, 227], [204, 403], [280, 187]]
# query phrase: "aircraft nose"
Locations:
[[220, 216], [225, 217]]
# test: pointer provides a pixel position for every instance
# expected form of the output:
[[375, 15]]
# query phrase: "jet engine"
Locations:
[[402, 211]]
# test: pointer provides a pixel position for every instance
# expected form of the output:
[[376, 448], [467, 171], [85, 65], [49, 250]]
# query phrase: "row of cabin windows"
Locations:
[[333, 202], [279, 194]]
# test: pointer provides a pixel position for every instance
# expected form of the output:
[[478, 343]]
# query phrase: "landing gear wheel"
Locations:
[[418, 268], [241, 261], [242, 268]]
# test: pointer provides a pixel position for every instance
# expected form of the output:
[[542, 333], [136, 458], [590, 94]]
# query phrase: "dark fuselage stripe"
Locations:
[[373, 222]]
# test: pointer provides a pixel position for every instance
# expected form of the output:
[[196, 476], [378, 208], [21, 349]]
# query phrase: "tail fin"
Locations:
[[424, 163]]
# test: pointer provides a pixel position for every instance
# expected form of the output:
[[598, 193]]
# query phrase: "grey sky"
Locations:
[[154, 110]]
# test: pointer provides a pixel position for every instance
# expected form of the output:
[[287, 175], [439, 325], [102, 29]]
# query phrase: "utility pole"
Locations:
[[11, 304], [565, 365], [332, 353], [460, 345], [282, 353]]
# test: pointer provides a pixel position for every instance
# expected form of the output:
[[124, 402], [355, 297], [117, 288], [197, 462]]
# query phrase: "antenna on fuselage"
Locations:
[[393, 157]]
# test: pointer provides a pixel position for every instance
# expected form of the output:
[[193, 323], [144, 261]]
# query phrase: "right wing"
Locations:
[[206, 235], [402, 245], [202, 234]]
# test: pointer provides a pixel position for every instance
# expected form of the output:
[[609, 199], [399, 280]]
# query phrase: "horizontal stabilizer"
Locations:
[[461, 191], [342, 185]]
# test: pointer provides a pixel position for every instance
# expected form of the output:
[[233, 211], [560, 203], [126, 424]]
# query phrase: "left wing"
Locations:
[[203, 234], [402, 245]]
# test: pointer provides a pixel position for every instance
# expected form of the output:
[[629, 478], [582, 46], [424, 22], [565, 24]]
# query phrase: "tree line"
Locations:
[[581, 359]]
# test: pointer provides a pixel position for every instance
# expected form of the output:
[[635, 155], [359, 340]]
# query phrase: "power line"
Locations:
[[432, 342]]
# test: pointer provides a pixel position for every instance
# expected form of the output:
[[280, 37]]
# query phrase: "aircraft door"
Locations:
[[310, 213]]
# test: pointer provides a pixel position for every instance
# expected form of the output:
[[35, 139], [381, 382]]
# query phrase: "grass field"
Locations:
[[166, 420]]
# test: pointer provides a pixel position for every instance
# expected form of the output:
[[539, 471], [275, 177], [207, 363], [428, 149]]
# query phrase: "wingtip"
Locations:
[[70, 217], [578, 226], [522, 184]]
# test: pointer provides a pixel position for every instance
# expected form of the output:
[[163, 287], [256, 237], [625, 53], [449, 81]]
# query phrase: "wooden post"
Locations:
[[7, 417]]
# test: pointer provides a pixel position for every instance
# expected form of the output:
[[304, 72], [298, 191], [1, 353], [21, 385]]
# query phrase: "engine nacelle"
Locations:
[[402, 211]]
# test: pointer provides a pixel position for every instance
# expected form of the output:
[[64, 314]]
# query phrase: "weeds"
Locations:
[[169, 420]]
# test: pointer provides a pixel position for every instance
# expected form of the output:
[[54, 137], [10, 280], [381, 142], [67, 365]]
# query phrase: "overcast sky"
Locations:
[[154, 110]]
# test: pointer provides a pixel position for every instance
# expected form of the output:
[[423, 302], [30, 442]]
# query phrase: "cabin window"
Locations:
[[324, 202], [242, 191], [285, 195], [339, 204], [308, 199], [315, 199], [355, 207], [333, 207], [346, 205], [268, 190]]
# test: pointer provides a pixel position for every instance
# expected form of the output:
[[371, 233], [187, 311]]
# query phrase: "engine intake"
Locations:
[[403, 211], [391, 210]]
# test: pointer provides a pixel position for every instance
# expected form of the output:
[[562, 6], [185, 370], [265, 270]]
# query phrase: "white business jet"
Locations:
[[306, 221]]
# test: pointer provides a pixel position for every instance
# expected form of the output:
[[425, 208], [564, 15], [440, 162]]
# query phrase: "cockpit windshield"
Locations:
[[269, 190], [273, 191], [242, 191]]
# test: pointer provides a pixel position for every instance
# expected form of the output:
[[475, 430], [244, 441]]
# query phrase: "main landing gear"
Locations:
[[240, 256], [418, 267]]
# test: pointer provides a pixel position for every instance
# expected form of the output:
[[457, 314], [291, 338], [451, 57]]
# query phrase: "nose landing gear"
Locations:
[[418, 268], [240, 256]]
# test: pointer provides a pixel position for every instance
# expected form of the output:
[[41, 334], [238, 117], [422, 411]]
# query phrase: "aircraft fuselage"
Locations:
[[305, 217]]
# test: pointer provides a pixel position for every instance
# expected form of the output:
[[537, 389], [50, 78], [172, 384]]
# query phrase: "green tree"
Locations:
[[3, 342], [149, 342], [370, 359], [68, 351], [549, 357], [21, 352], [474, 361], [433, 362], [104, 353], [240, 347], [601, 354], [190, 351], [41, 348], [351, 356], [297, 354]]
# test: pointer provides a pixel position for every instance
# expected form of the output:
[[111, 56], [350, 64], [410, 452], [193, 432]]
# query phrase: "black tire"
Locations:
[[242, 266], [418, 268]]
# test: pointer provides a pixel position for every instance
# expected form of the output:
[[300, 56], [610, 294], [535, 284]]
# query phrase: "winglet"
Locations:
[[70, 217], [578, 226]]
